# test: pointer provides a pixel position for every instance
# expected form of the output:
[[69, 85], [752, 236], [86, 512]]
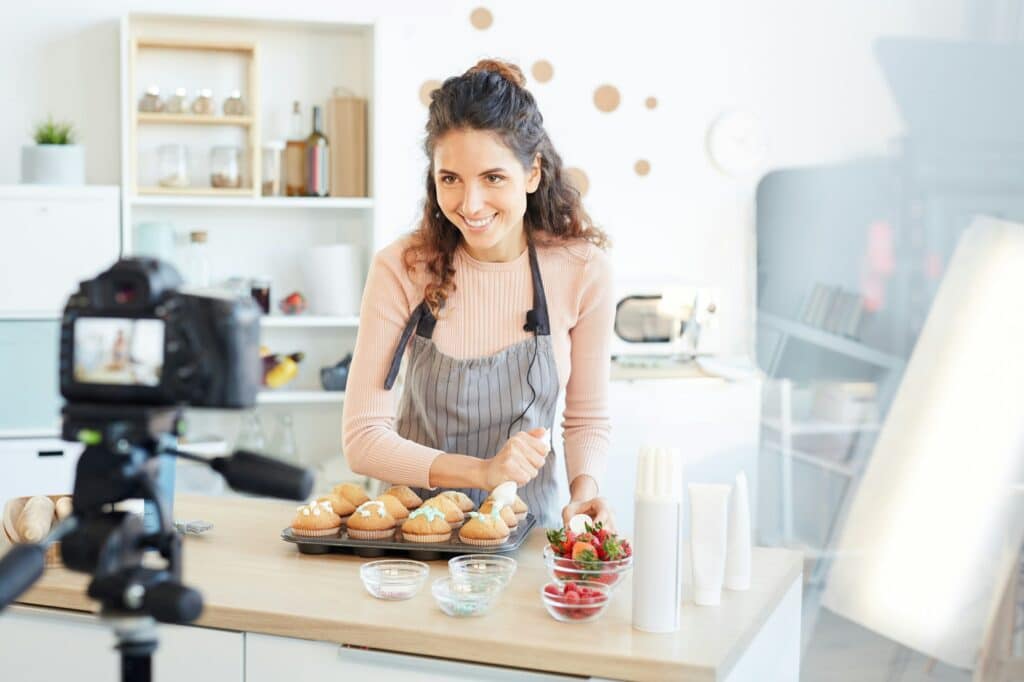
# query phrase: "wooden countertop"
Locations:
[[253, 581]]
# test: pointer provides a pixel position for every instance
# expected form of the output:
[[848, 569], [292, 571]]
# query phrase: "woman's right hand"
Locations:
[[518, 460]]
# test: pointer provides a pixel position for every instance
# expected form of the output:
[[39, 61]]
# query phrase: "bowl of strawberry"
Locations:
[[575, 601], [596, 555]]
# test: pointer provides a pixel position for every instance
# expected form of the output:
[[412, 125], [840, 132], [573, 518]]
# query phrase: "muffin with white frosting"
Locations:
[[315, 520]]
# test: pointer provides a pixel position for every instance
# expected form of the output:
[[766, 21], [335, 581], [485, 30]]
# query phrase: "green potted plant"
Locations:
[[54, 159]]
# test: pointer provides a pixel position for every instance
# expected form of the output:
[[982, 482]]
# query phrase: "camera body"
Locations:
[[129, 337]]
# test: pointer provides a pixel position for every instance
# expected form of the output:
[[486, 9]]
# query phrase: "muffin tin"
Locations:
[[398, 545]]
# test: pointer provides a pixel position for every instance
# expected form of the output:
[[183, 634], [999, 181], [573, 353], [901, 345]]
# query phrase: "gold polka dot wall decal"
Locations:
[[425, 90], [606, 98], [579, 180], [642, 167], [651, 102], [481, 18], [543, 71]]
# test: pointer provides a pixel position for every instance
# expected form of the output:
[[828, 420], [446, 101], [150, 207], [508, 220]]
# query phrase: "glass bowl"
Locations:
[[460, 597], [576, 601], [474, 566], [393, 579], [564, 569]]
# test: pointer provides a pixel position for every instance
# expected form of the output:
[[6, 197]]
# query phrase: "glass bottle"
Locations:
[[176, 102], [250, 435], [150, 102], [317, 159], [173, 165], [197, 262], [283, 445], [295, 180], [203, 103], [225, 167], [233, 105]]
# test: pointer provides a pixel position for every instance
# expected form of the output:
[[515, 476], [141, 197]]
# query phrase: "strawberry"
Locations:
[[627, 550], [612, 547], [603, 534], [583, 551], [556, 538]]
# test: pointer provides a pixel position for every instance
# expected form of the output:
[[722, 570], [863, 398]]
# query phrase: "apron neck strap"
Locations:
[[537, 319]]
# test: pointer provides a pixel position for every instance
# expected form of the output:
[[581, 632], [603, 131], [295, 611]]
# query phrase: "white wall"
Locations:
[[804, 67]]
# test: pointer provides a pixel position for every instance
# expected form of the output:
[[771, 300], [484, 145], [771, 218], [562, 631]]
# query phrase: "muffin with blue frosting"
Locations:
[[426, 524]]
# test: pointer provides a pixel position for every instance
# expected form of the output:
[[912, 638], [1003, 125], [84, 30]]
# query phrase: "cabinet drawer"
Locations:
[[37, 466], [271, 659]]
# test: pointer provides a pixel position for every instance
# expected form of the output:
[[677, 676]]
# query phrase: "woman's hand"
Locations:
[[596, 508], [518, 460]]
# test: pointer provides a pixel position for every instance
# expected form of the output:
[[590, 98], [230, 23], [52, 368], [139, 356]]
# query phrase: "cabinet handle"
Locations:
[[51, 453]]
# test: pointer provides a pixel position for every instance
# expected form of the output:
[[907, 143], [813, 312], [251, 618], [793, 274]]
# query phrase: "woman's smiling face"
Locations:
[[481, 189]]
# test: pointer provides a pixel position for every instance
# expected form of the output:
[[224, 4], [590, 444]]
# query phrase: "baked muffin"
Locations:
[[461, 500], [316, 520], [351, 492], [371, 521], [520, 508], [394, 507], [341, 506], [506, 513], [426, 524], [484, 530], [452, 514], [405, 495]]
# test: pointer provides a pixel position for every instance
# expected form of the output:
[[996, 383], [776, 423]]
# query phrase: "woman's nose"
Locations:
[[472, 200]]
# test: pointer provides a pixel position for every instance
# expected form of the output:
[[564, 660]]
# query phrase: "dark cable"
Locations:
[[532, 389]]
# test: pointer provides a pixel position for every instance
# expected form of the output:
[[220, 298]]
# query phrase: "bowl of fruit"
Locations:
[[595, 555], [575, 601]]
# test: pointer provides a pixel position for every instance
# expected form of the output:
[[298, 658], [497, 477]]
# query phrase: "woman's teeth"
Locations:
[[479, 223]]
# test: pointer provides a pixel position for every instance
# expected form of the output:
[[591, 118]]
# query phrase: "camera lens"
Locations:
[[124, 292]]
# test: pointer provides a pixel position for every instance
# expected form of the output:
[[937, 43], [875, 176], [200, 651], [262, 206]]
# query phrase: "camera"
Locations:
[[134, 353], [130, 337]]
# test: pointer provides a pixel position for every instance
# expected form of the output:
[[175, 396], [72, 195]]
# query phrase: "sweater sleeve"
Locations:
[[586, 429], [371, 445]]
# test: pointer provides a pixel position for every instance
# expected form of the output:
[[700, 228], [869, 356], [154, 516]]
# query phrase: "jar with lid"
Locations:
[[176, 103], [150, 102], [203, 103], [271, 165], [173, 165], [233, 105], [197, 261], [226, 167]]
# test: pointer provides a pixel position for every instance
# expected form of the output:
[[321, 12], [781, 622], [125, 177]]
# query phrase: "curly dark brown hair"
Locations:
[[491, 96]]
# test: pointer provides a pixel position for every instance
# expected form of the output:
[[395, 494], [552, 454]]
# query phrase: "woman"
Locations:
[[488, 342]]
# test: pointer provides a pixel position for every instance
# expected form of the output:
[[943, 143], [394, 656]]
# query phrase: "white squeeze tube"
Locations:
[[737, 555], [657, 540], [709, 511]]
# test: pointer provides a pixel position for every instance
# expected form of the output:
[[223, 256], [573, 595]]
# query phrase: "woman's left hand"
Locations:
[[596, 508]]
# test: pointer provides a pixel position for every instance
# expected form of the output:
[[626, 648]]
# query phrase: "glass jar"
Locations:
[[197, 261], [176, 103], [250, 435], [226, 167], [150, 102], [282, 445], [271, 168], [203, 103], [173, 165], [233, 105]]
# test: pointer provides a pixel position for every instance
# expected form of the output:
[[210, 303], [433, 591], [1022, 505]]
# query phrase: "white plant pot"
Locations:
[[53, 164]]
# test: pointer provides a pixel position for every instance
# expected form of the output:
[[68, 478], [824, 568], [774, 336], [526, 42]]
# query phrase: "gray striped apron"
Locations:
[[473, 406]]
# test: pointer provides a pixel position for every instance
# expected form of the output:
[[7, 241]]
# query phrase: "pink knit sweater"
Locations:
[[483, 315]]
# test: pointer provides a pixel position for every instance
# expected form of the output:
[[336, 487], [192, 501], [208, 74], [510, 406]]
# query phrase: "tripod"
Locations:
[[121, 461]]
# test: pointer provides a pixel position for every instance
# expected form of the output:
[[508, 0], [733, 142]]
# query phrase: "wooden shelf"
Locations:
[[249, 201], [286, 397], [305, 321], [197, 191], [206, 46], [194, 119]]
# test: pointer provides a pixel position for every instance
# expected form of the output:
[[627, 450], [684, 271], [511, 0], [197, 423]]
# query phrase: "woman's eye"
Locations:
[[447, 179], [494, 179]]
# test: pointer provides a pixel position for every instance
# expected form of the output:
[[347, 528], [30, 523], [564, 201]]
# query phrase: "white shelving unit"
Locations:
[[250, 235]]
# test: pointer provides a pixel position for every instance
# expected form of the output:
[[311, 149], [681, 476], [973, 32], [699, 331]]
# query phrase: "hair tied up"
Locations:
[[509, 72]]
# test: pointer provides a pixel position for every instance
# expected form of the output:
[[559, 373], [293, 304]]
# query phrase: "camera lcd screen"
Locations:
[[125, 351]]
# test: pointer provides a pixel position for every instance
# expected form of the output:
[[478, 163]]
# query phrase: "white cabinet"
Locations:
[[41, 645], [714, 423], [37, 466], [53, 238], [270, 659]]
